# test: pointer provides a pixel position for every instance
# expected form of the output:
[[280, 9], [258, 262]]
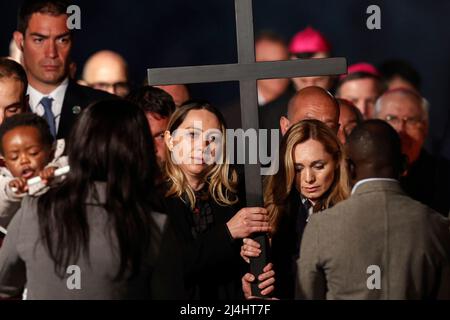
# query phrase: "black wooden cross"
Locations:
[[247, 72]]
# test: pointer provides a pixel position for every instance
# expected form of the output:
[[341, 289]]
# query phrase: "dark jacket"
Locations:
[[286, 246], [212, 265], [428, 181], [77, 98], [270, 113]]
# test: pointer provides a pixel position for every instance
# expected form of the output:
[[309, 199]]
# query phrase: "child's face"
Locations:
[[24, 153]]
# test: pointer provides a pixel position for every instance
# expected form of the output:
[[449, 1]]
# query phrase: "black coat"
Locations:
[[428, 181], [77, 98], [211, 264], [286, 246], [270, 113]]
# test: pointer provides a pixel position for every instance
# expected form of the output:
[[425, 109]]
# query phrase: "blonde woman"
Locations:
[[312, 176], [202, 203]]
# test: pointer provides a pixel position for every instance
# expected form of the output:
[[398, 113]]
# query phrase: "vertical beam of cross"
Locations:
[[247, 72], [248, 95]]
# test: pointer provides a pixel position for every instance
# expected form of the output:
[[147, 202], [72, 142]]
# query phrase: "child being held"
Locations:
[[28, 150]]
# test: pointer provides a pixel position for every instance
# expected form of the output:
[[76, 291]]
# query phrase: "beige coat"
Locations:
[[378, 226]]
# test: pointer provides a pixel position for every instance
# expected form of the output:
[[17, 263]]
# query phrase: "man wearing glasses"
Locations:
[[427, 177], [107, 71]]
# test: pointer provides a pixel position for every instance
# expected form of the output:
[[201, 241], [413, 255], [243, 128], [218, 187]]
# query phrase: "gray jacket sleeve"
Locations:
[[9, 201], [12, 267]]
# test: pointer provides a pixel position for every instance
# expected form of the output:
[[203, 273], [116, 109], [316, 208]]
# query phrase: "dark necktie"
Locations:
[[48, 114], [301, 221]]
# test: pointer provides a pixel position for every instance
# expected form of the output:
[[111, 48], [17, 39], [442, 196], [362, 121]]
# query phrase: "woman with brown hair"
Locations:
[[202, 203], [312, 176]]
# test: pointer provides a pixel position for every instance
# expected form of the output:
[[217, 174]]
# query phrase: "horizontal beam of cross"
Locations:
[[250, 71]]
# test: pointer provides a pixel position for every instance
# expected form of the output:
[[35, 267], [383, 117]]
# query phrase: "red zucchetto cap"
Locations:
[[363, 67], [309, 40]]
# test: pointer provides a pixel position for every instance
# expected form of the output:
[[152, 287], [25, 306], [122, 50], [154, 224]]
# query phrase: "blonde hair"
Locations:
[[220, 178], [279, 186]]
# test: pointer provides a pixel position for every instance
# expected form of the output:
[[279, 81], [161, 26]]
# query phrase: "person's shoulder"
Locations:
[[417, 208], [333, 218], [27, 213], [339, 208], [88, 92], [29, 203], [435, 228], [433, 217]]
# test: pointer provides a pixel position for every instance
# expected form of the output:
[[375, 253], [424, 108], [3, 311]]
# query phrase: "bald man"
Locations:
[[427, 178], [179, 92], [311, 103], [379, 243], [107, 71], [349, 118]]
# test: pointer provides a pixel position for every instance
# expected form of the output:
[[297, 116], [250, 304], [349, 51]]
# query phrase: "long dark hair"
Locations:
[[110, 143]]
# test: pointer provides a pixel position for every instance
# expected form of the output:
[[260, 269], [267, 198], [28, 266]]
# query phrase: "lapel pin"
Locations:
[[76, 109]]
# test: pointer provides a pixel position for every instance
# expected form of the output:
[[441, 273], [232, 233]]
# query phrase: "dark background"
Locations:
[[163, 33]]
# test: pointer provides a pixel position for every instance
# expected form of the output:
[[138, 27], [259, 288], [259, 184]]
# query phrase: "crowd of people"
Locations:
[[133, 185]]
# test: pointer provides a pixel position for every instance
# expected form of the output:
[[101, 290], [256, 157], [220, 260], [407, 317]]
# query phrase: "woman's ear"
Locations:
[[168, 140]]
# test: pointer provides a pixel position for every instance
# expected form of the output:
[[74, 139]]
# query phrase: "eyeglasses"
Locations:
[[411, 122], [120, 88]]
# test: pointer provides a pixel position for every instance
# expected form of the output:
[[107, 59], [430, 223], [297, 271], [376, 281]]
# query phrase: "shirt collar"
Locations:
[[303, 198], [307, 204], [361, 182], [35, 96], [261, 100]]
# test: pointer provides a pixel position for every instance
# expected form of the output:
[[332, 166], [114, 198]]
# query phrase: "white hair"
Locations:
[[424, 105]]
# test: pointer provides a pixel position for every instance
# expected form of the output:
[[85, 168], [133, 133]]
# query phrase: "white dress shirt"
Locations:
[[57, 95], [261, 100]]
